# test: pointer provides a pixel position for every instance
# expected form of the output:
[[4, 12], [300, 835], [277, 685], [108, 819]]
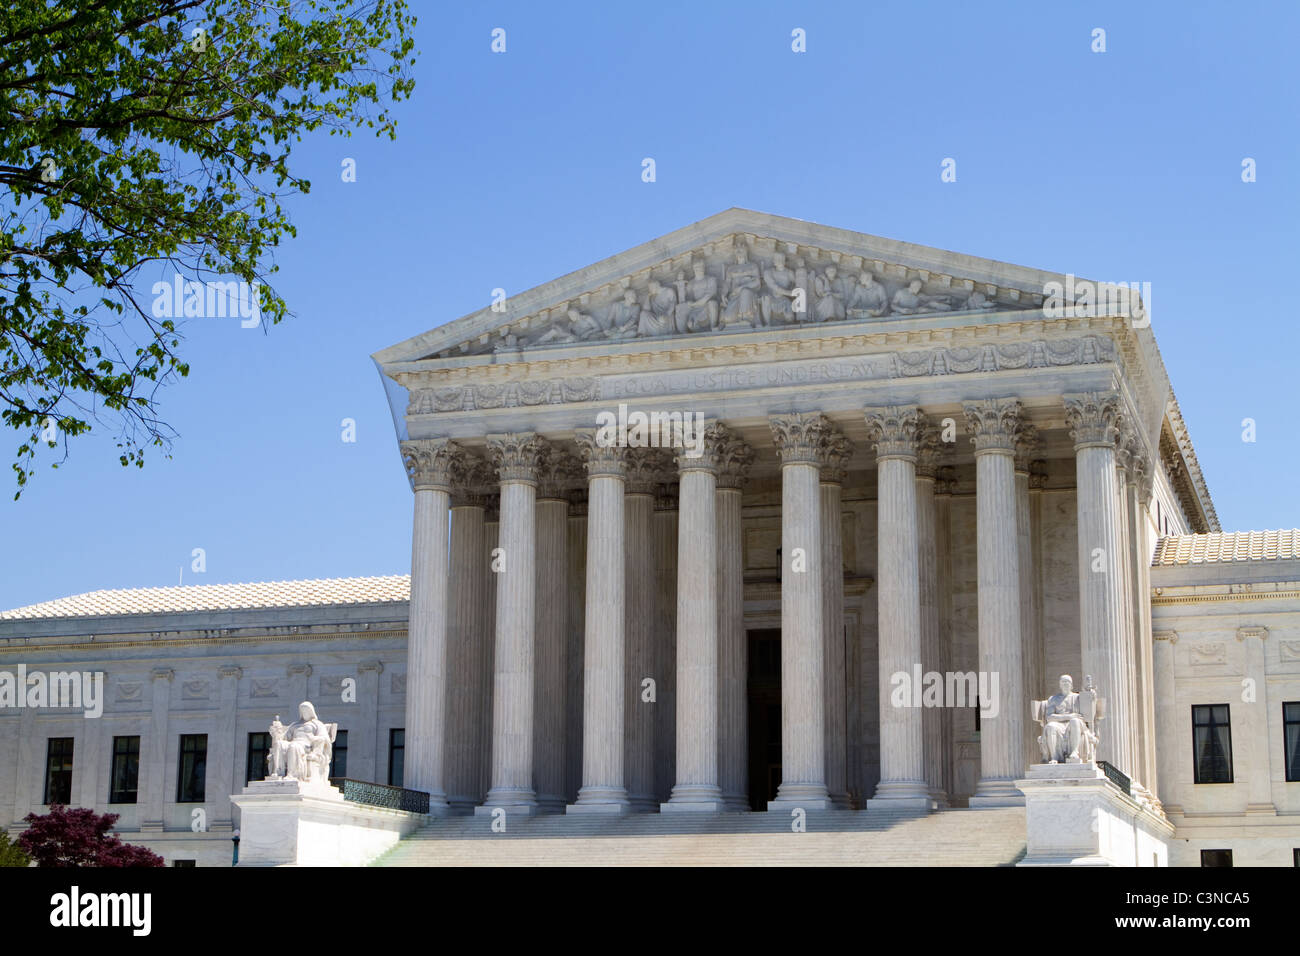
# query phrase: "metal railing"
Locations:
[[382, 795], [1115, 777]]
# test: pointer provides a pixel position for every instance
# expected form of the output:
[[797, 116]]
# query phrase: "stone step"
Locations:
[[988, 837]]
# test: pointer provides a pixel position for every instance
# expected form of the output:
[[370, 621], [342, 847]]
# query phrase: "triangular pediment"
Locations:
[[736, 271]]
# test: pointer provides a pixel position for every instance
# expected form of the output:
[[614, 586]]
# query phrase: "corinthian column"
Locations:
[[468, 668], [993, 424], [801, 442], [734, 461], [1027, 444], [603, 789], [838, 451], [556, 474], [517, 457], [697, 633], [1094, 419], [928, 457], [895, 431], [430, 463], [645, 471]]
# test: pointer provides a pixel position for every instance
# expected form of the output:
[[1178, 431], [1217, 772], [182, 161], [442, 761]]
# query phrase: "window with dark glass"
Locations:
[[339, 763], [124, 778], [1216, 858], [58, 771], [1291, 740], [191, 776], [183, 863], [396, 753], [1212, 743], [259, 745]]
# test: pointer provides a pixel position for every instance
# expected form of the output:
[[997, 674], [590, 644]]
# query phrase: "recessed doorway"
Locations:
[[764, 693]]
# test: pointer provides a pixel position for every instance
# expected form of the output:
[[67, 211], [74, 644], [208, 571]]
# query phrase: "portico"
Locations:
[[860, 471]]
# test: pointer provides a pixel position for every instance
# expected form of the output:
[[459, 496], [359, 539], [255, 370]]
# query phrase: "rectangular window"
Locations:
[[124, 778], [191, 777], [339, 762], [1291, 740], [1212, 743], [1216, 858], [183, 863], [58, 771], [396, 751], [259, 745]]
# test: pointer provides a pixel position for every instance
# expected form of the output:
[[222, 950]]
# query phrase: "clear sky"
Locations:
[[511, 169]]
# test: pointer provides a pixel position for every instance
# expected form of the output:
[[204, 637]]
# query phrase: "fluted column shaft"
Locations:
[[429, 463], [835, 665], [1094, 424], [516, 457], [639, 714], [551, 670], [665, 560], [733, 654], [697, 639], [1031, 646], [944, 486], [467, 666], [603, 789], [932, 718], [895, 431], [993, 425], [487, 647], [801, 443]]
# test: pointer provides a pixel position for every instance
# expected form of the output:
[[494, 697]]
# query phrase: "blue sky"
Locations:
[[511, 169]]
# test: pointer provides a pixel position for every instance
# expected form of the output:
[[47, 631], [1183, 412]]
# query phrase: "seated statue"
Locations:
[[1069, 723], [302, 750]]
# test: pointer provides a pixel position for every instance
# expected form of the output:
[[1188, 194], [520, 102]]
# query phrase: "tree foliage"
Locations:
[[77, 836], [11, 855], [144, 139]]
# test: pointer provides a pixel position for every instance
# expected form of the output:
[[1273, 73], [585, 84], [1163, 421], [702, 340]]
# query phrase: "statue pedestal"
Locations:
[[1075, 816], [286, 822]]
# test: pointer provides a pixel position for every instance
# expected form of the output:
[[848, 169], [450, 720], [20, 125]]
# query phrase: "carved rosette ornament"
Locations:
[[895, 430], [602, 460], [1037, 475], [1028, 444], [993, 424], [735, 458], [517, 456], [431, 463], [1094, 418], [645, 470], [801, 438], [930, 451], [558, 473], [474, 481], [838, 452], [946, 480]]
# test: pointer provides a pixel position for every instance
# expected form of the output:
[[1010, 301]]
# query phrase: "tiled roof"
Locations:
[[220, 597], [1227, 546]]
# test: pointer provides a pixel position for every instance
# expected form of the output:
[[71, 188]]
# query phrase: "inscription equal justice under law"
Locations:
[[728, 379]]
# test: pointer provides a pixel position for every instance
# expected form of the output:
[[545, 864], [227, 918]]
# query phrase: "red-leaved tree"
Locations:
[[77, 836]]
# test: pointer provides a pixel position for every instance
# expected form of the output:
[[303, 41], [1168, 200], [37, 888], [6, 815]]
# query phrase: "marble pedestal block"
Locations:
[[1074, 816], [286, 822]]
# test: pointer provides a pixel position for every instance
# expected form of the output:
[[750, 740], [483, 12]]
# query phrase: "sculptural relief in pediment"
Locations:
[[746, 284]]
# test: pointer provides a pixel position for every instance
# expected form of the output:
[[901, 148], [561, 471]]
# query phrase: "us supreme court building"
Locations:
[[758, 516]]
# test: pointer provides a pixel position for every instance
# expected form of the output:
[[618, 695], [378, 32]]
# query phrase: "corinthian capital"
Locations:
[[895, 430], [431, 463], [801, 437], [930, 451], [705, 452], [647, 469], [838, 452], [1028, 444], [558, 473], [474, 481], [993, 423], [517, 456], [1094, 418], [602, 459], [735, 458]]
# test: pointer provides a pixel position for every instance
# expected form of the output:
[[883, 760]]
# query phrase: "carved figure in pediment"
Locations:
[[623, 317], [740, 293], [978, 300], [867, 299], [909, 300], [697, 310], [573, 326], [778, 292], [828, 304], [659, 312]]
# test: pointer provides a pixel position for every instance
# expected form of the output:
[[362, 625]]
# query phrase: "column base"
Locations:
[[736, 802], [896, 795], [938, 799], [611, 800], [550, 803], [462, 806], [997, 792], [694, 798], [516, 802], [643, 803], [841, 801]]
